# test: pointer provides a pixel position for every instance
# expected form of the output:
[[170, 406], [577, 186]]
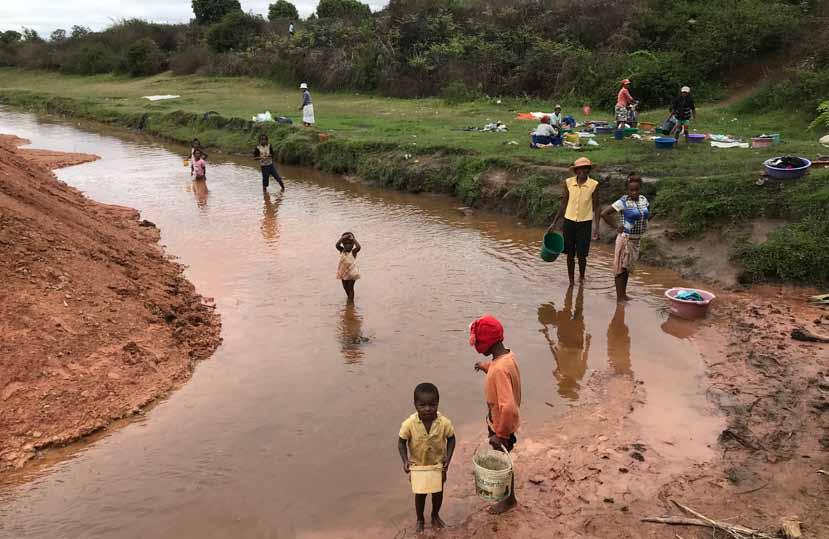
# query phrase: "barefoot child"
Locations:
[[634, 214], [199, 166], [264, 154], [195, 145], [427, 438], [347, 271], [502, 390]]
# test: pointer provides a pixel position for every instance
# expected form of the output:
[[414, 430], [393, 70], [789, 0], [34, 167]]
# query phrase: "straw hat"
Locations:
[[582, 162], [685, 89], [303, 86], [558, 107]]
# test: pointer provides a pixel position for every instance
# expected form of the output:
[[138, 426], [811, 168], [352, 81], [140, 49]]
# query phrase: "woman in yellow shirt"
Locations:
[[579, 207]]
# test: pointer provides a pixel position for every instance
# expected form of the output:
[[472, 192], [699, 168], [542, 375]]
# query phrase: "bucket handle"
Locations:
[[504, 449]]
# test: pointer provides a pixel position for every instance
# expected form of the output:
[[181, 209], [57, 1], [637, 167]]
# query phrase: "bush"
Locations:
[[795, 253], [823, 116], [236, 31], [347, 9], [800, 89], [457, 92], [91, 59], [282, 9], [212, 11], [189, 61], [144, 58]]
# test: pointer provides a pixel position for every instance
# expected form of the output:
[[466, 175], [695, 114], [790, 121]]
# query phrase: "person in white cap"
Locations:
[[684, 111], [555, 117], [307, 106]]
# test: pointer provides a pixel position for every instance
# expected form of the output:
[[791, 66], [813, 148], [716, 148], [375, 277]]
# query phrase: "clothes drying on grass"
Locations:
[[161, 97], [494, 127]]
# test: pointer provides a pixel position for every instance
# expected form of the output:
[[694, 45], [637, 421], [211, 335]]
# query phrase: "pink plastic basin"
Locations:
[[689, 309]]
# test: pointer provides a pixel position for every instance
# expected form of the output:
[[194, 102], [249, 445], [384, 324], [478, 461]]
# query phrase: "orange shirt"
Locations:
[[502, 390]]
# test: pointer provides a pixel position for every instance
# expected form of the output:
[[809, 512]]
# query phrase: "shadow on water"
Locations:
[[571, 345]]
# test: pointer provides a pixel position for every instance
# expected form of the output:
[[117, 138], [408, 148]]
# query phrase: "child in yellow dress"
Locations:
[[347, 271], [427, 438]]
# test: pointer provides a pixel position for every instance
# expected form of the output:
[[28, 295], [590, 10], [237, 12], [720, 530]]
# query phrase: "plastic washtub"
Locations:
[[628, 131], [603, 130], [695, 137], [761, 142], [647, 126], [665, 142], [786, 173], [686, 308]]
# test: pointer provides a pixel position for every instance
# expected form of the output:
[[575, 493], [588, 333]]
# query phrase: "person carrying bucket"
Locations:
[[579, 207], [502, 390], [426, 444]]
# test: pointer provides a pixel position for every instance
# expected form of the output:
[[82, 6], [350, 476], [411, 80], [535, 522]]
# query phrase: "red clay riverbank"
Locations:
[[95, 321], [597, 474]]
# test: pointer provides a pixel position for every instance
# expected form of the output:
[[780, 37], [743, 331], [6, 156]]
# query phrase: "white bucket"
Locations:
[[492, 485], [426, 479]]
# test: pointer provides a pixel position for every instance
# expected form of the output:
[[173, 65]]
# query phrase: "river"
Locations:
[[290, 429]]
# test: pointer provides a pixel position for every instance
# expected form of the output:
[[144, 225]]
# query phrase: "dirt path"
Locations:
[[95, 321], [597, 474]]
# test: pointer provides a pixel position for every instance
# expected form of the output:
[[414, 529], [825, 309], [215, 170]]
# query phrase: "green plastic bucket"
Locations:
[[552, 247]]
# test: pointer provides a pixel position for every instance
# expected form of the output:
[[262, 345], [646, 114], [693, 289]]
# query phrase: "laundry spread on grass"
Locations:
[[494, 127], [161, 97]]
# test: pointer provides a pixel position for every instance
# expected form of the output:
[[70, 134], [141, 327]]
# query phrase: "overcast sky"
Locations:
[[47, 15]]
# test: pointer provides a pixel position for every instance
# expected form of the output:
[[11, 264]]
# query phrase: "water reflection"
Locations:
[[618, 342], [270, 225], [679, 328], [572, 344], [350, 331], [200, 192]]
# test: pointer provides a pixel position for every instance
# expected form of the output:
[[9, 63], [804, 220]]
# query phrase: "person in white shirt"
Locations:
[[545, 135]]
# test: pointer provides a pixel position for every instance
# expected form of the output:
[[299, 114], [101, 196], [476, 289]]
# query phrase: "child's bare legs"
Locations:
[[348, 286], [507, 503], [622, 286], [571, 268], [437, 501], [420, 506]]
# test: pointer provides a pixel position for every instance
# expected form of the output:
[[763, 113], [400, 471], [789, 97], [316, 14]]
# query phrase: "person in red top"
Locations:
[[624, 99], [502, 390]]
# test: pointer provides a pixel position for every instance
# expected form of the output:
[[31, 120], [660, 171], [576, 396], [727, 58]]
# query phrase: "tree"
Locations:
[[236, 31], [79, 31], [352, 9], [212, 11], [10, 36], [58, 35], [144, 58], [30, 34], [282, 9]]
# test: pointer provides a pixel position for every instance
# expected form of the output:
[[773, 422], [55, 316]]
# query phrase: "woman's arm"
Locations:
[[596, 206], [356, 248], [562, 206], [607, 215], [339, 245]]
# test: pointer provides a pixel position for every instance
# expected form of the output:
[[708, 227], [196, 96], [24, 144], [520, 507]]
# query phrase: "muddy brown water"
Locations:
[[290, 429]]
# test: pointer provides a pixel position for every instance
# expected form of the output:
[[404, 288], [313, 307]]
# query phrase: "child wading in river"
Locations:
[[198, 165], [195, 145], [347, 271], [427, 438], [264, 154]]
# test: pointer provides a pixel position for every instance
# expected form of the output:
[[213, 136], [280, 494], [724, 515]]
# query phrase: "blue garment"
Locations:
[[540, 139], [634, 214], [569, 120], [689, 295], [306, 98]]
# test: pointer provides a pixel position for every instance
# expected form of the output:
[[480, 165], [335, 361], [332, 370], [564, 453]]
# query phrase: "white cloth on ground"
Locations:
[[308, 114]]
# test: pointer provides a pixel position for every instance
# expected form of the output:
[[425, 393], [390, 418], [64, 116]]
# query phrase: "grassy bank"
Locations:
[[420, 145]]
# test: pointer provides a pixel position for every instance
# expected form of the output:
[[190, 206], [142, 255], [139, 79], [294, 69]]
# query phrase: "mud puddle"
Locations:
[[290, 429]]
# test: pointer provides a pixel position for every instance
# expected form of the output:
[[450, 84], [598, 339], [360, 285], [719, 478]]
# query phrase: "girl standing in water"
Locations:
[[199, 166], [634, 214], [347, 271]]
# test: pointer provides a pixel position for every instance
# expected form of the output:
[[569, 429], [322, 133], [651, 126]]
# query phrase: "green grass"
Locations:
[[418, 145]]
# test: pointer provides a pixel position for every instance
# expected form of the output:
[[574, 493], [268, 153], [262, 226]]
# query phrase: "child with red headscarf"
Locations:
[[502, 390]]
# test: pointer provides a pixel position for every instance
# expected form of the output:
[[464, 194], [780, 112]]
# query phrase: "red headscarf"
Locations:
[[485, 332]]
